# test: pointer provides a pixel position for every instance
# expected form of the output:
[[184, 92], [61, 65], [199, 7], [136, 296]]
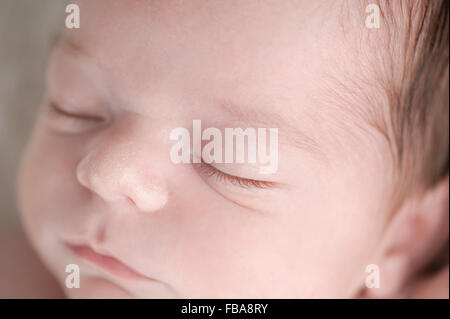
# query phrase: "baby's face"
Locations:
[[97, 172]]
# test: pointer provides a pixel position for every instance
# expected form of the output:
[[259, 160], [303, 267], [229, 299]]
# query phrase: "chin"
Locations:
[[97, 288]]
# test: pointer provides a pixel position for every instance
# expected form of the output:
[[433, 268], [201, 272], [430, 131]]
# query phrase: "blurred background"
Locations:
[[27, 30]]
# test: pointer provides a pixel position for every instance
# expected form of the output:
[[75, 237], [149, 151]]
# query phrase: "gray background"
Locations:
[[27, 29]]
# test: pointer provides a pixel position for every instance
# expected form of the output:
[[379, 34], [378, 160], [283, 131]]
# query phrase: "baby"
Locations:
[[357, 205]]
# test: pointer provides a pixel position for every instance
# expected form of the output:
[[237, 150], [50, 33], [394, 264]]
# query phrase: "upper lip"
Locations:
[[102, 258]]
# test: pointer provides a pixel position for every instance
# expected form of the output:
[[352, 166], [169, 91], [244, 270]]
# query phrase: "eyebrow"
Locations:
[[66, 43], [72, 46], [291, 133], [61, 41]]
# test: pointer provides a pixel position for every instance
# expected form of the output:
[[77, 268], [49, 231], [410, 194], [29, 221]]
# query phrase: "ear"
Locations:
[[413, 239]]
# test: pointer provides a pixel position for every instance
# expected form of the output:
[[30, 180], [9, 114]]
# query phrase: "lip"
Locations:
[[107, 262]]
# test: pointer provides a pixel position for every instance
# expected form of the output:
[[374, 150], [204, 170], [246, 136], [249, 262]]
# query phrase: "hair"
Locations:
[[418, 88], [405, 72]]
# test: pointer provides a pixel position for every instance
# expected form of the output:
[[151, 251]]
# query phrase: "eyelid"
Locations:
[[84, 117], [220, 176]]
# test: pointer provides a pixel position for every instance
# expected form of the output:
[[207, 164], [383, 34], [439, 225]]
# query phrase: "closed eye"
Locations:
[[86, 117], [219, 176]]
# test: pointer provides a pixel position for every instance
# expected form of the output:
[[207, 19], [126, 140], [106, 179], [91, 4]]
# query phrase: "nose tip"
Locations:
[[147, 197], [115, 182]]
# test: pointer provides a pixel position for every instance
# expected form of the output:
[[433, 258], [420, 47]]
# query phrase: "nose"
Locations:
[[122, 173]]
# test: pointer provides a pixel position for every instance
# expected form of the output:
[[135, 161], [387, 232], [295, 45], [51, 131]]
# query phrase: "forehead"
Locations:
[[258, 50]]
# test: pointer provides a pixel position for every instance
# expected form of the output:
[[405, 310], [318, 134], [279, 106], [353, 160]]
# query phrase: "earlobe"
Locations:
[[412, 241]]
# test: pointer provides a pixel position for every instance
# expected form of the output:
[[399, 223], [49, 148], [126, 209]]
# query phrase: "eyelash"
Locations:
[[55, 107], [220, 176]]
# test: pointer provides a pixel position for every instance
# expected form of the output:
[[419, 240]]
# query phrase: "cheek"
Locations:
[[338, 224], [46, 173], [231, 254]]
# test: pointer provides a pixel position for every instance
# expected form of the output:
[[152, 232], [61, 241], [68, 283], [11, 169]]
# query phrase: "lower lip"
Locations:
[[108, 263]]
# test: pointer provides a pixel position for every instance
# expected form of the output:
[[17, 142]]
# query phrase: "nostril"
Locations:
[[131, 201]]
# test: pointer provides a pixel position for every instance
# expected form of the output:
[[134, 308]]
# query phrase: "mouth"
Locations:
[[108, 263]]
